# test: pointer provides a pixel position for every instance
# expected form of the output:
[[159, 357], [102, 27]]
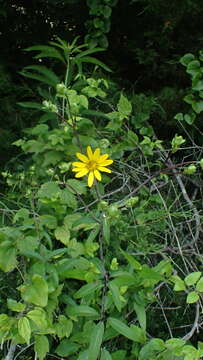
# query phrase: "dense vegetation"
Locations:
[[101, 180]]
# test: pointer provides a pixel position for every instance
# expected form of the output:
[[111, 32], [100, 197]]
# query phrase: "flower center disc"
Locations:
[[92, 165]]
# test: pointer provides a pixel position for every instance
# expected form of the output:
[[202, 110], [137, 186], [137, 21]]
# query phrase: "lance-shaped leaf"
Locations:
[[88, 289], [133, 333], [96, 341]]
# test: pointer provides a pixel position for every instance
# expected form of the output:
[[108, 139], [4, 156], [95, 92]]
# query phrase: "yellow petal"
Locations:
[[96, 154], [90, 178], [97, 175], [89, 152], [78, 164], [82, 157], [104, 169], [78, 169], [103, 157], [106, 162], [81, 173]]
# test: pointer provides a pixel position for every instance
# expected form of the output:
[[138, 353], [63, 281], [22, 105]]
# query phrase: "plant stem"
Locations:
[[11, 351]]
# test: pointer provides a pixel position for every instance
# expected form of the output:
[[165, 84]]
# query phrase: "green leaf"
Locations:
[[7, 256], [122, 329], [116, 295], [85, 222], [88, 289], [83, 355], [55, 254], [32, 255], [49, 190], [90, 59], [96, 341], [46, 51], [192, 278], [106, 229], [24, 329], [36, 292], [193, 67], [190, 118], [21, 214], [150, 350], [179, 283], [190, 353], [174, 344], [149, 276], [197, 106], [28, 243], [66, 348], [164, 267], [62, 234], [81, 310], [39, 129], [63, 327], [49, 221], [197, 83], [30, 105], [176, 142], [41, 346], [124, 279], [68, 198], [186, 59], [74, 274], [179, 117], [199, 286], [189, 99], [141, 314], [124, 106], [106, 11], [37, 77], [15, 306], [38, 316], [4, 322], [119, 355], [52, 158], [134, 263], [94, 113], [192, 297], [76, 186], [105, 355], [88, 52], [139, 334], [51, 77]]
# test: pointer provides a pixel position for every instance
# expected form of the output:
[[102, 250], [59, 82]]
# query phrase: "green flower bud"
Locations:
[[191, 169], [114, 264], [201, 163], [113, 210], [61, 89], [132, 201], [49, 106], [103, 205], [104, 143]]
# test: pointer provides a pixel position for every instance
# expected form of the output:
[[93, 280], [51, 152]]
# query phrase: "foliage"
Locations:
[[95, 267], [100, 24], [113, 271]]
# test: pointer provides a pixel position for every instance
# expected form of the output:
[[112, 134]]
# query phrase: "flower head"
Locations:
[[91, 164]]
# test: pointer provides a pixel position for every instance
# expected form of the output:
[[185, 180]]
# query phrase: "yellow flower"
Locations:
[[91, 164]]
